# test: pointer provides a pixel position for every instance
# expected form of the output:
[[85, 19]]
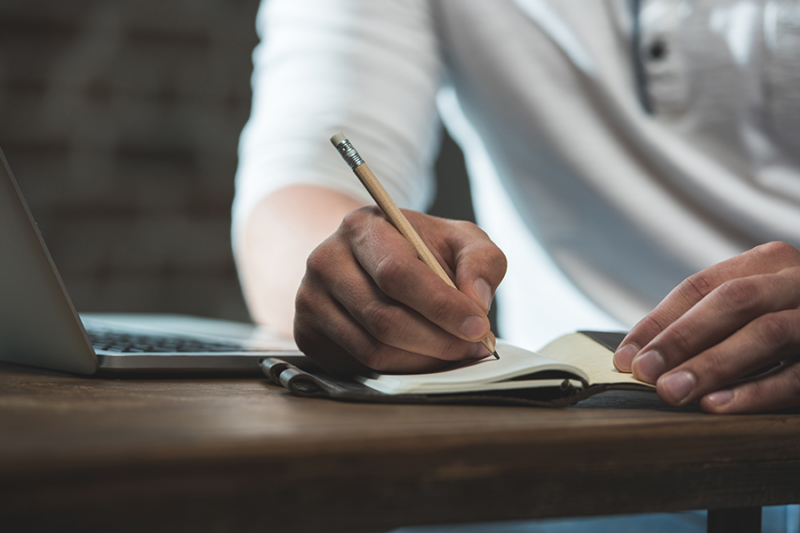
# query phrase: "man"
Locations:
[[620, 153], [615, 150]]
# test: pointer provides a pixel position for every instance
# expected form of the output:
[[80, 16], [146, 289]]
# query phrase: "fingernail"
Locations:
[[624, 357], [478, 351], [473, 327], [483, 291], [720, 398], [678, 386], [648, 366]]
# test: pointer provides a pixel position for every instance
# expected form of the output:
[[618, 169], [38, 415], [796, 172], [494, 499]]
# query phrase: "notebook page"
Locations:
[[595, 359], [486, 374]]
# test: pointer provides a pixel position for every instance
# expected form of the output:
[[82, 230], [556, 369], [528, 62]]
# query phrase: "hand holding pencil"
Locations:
[[395, 216], [368, 302]]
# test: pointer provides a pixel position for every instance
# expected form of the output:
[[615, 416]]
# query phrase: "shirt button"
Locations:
[[657, 50]]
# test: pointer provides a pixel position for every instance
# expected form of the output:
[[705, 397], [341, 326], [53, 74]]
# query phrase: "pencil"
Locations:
[[393, 213]]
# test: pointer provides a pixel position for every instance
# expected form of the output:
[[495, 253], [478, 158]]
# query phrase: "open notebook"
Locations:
[[563, 372]]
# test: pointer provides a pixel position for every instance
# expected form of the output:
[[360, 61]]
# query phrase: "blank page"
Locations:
[[485, 374]]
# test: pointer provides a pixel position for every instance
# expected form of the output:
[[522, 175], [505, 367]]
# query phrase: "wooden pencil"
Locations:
[[393, 213]]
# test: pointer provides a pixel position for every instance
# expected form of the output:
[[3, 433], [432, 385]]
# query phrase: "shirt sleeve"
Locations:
[[369, 69]]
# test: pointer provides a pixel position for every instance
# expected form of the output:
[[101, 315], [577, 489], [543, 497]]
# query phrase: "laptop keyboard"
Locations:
[[116, 341]]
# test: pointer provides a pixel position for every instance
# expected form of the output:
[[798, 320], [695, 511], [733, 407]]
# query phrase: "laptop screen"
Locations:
[[38, 323]]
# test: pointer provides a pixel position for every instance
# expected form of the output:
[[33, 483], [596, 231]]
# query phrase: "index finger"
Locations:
[[764, 259]]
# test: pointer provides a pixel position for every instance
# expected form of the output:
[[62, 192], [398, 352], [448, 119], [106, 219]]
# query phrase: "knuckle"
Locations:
[[351, 220], [302, 300], [651, 323], [497, 261], [755, 390], [793, 273], [356, 217], [467, 226], [440, 308], [391, 274], [777, 251], [384, 322], [491, 254], [713, 369], [679, 338], [354, 222], [781, 391], [739, 295], [774, 331], [318, 261], [696, 286]]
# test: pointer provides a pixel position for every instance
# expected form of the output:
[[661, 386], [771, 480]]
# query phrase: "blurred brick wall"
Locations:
[[121, 121]]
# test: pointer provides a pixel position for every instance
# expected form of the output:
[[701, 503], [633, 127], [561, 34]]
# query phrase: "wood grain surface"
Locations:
[[243, 455]]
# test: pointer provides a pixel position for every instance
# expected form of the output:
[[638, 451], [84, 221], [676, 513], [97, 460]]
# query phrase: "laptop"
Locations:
[[40, 327]]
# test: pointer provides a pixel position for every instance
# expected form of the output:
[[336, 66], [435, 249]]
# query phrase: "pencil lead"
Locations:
[[494, 353]]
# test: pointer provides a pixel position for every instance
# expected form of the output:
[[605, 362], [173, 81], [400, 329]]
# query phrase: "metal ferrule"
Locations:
[[349, 154]]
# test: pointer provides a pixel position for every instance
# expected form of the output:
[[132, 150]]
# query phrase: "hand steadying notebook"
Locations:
[[564, 372]]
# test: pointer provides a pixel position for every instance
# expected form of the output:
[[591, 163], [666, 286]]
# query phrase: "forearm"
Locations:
[[272, 250]]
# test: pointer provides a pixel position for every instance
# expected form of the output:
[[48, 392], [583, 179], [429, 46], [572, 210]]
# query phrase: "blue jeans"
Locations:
[[779, 519]]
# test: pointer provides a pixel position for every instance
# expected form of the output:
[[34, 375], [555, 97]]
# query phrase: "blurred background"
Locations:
[[121, 121]]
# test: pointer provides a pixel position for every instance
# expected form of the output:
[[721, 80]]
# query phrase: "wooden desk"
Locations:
[[241, 455]]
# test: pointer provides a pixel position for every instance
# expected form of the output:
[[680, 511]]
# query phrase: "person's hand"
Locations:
[[721, 325], [368, 302]]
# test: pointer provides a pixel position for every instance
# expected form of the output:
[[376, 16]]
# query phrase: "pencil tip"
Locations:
[[494, 353]]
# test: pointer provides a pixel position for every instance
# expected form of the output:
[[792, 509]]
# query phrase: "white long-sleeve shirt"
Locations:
[[611, 153]]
